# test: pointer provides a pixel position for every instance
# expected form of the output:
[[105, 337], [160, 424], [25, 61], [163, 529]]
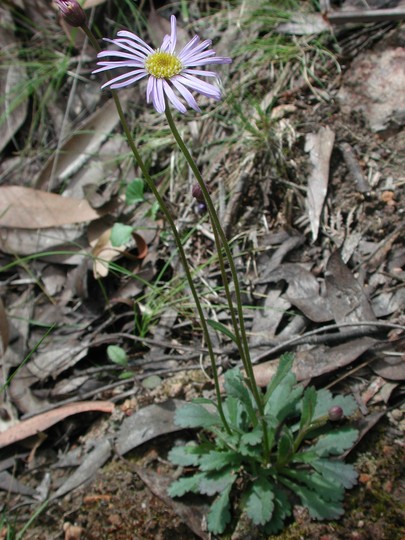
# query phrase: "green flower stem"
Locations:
[[306, 430], [221, 241], [176, 235]]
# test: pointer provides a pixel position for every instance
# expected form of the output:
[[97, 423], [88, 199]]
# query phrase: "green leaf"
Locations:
[[235, 413], [216, 482], [259, 503], [282, 509], [327, 489], [193, 415], [325, 401], [236, 387], [214, 461], [285, 446], [284, 368], [134, 191], [219, 327], [253, 437], [126, 375], [219, 515], [284, 399], [153, 210], [184, 485], [317, 506], [335, 442], [308, 407], [204, 401], [120, 234], [185, 456], [337, 471], [117, 355]]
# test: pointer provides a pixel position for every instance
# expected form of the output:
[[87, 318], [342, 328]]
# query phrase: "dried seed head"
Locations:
[[72, 12], [335, 413]]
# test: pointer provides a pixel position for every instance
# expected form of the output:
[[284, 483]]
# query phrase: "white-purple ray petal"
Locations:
[[203, 87], [189, 46], [158, 98], [117, 54], [190, 53], [149, 88], [185, 92], [113, 65], [207, 61], [122, 84], [173, 98], [133, 37], [200, 72], [125, 79], [126, 45], [173, 34]]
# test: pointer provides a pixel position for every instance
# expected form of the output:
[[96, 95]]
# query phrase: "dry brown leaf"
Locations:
[[317, 361], [41, 422], [103, 252], [346, 297], [79, 147], [25, 242], [26, 208], [320, 146], [13, 78]]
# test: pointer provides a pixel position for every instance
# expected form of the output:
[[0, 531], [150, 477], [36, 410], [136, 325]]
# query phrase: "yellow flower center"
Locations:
[[163, 65]]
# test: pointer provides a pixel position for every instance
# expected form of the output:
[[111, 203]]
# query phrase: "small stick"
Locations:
[[354, 168], [366, 16]]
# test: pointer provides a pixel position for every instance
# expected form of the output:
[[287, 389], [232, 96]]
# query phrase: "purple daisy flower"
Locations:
[[166, 69]]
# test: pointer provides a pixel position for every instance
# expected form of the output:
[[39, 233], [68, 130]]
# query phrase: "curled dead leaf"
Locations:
[[41, 422], [26, 208]]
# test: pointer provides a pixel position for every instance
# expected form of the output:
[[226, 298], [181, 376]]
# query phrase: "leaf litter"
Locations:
[[335, 296]]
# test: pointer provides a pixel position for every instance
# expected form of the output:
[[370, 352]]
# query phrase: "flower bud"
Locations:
[[335, 413], [197, 193], [72, 12]]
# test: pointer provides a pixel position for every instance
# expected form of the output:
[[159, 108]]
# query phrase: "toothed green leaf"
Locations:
[[215, 482], [253, 437], [184, 485], [219, 515], [235, 386], [337, 471], [335, 442], [192, 415], [317, 506], [328, 490], [259, 503], [185, 456], [282, 509], [214, 461]]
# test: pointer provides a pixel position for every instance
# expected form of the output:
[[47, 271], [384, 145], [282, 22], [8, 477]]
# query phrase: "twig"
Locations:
[[366, 16], [354, 168], [305, 337]]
